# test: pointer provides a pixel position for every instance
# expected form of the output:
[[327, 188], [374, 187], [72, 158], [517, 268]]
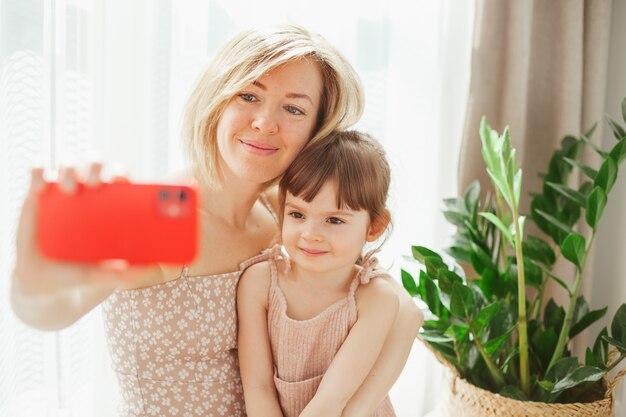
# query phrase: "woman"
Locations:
[[172, 333]]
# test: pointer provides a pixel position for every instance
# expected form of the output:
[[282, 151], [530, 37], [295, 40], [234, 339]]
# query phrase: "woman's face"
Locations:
[[267, 123]]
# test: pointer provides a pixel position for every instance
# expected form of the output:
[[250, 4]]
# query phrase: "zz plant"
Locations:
[[488, 327]]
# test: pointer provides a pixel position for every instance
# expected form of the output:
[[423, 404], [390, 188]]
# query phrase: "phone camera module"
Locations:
[[164, 195], [182, 195]]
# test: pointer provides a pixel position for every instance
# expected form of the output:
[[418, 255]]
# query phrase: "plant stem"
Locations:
[[524, 366], [500, 214], [496, 374], [535, 309], [569, 316], [617, 361]]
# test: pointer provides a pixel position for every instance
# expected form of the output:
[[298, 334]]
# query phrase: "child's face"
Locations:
[[319, 236]]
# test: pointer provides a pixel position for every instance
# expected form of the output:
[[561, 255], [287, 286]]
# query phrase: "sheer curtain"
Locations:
[[85, 79]]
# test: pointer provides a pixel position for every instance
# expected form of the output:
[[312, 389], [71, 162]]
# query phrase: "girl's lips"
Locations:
[[313, 252], [258, 148]]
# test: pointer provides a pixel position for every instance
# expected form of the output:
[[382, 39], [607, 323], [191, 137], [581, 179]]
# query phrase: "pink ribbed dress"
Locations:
[[174, 346], [302, 350]]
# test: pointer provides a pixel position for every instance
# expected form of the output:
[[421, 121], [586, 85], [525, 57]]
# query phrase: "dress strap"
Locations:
[[268, 205], [369, 270]]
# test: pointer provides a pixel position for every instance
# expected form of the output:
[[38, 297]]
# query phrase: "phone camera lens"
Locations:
[[182, 195], [164, 195]]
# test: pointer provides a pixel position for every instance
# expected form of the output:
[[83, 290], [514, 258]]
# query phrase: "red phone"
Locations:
[[140, 223]]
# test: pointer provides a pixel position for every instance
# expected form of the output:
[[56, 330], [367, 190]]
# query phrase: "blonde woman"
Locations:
[[172, 331]]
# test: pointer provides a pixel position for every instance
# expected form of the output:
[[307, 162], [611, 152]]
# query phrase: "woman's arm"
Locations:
[[377, 306], [52, 295], [392, 358], [255, 356]]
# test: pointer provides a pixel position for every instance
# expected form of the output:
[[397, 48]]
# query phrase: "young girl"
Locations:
[[313, 320]]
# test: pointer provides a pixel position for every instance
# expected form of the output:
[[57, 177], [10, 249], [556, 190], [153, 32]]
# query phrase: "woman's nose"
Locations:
[[265, 123]]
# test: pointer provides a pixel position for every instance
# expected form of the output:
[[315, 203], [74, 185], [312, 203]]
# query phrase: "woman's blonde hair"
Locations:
[[243, 60]]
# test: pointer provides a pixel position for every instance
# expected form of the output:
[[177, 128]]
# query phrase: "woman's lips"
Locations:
[[258, 148]]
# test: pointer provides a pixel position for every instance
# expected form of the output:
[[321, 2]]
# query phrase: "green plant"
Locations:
[[488, 327]]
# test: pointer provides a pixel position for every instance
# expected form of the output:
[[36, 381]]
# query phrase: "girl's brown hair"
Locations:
[[355, 161]]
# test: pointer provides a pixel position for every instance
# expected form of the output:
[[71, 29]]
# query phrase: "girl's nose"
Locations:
[[265, 123], [310, 233]]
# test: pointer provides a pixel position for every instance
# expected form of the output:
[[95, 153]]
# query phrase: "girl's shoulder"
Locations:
[[378, 293], [254, 283]]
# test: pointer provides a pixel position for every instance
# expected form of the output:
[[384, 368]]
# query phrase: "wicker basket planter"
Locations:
[[468, 400]]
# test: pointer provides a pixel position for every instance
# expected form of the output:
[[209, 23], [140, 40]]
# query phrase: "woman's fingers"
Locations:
[[68, 179], [93, 178]]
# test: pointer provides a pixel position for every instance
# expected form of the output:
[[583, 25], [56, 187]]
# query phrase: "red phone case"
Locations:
[[140, 223]]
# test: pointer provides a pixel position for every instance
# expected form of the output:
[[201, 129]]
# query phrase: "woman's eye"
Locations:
[[296, 215], [294, 110], [335, 220], [247, 97]]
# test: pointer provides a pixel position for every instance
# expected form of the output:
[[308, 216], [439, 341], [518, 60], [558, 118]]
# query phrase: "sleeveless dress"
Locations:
[[302, 350], [174, 345]]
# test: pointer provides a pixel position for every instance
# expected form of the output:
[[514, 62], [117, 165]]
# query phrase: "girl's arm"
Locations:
[[391, 360], [52, 295], [377, 306], [255, 355]]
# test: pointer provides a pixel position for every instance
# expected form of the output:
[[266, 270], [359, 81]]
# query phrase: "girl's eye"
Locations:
[[247, 97], [335, 220], [296, 215], [294, 110]]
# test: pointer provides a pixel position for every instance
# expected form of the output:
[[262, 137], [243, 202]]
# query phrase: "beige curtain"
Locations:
[[541, 68]]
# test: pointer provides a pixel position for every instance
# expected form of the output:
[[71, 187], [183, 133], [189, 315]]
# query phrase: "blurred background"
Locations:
[[94, 79]]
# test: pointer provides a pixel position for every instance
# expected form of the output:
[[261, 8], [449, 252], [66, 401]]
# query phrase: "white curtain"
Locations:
[[107, 79]]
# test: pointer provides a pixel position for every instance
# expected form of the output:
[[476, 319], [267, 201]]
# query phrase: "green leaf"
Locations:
[[618, 153], [577, 377], [483, 318], [517, 186], [588, 171], [546, 385], [461, 301], [480, 259], [461, 254], [472, 193], [514, 392], [618, 344], [447, 279], [433, 265], [590, 358], [624, 109], [573, 249], [601, 348], [553, 316], [494, 344], [430, 294], [409, 283], [587, 321], [457, 332], [544, 343], [562, 368], [606, 176], [554, 221], [420, 253], [457, 219], [595, 206], [618, 325], [435, 337], [568, 193], [593, 146], [618, 131], [539, 250], [495, 220]]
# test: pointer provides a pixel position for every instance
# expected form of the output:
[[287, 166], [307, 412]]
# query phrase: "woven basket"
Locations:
[[468, 400]]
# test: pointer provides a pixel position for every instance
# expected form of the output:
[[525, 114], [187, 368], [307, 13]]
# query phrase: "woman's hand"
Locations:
[[48, 294]]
